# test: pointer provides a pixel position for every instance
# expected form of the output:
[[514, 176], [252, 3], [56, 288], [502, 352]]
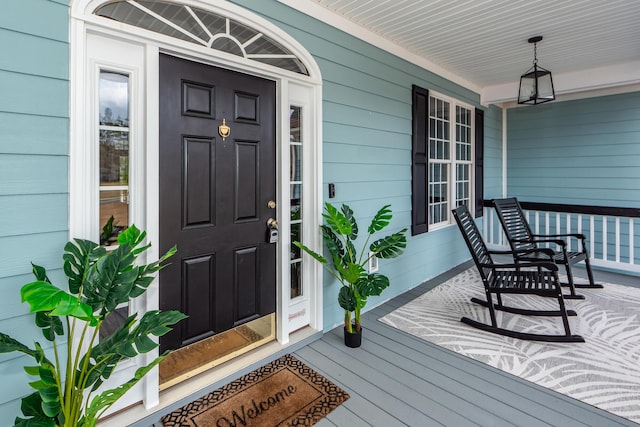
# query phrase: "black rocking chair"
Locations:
[[527, 278], [520, 236]]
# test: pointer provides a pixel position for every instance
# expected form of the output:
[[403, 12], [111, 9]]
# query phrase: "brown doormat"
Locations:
[[285, 392]]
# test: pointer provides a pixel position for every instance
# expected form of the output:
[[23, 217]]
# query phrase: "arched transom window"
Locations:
[[204, 28]]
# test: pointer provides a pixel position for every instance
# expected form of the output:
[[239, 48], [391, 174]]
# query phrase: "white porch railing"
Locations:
[[613, 241]]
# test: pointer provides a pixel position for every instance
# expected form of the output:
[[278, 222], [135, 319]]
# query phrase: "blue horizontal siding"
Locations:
[[34, 149], [33, 214], [33, 174], [25, 53], [493, 152], [364, 154], [44, 249], [580, 152], [29, 134], [28, 94], [43, 18]]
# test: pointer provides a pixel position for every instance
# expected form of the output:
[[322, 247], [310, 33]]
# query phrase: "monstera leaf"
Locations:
[[347, 299], [348, 214], [381, 219], [372, 285], [337, 220], [99, 281], [391, 246]]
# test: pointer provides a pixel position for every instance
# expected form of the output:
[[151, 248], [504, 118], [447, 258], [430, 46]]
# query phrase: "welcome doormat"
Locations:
[[285, 392], [603, 372]]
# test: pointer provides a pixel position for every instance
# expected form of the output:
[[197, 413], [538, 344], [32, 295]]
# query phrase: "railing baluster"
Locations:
[[579, 230], [569, 231], [592, 236], [485, 225], [617, 239], [632, 256], [604, 238]]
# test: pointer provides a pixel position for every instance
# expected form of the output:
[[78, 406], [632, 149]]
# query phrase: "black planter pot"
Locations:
[[353, 339]]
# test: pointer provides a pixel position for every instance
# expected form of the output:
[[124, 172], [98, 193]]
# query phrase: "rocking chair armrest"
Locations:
[[579, 236], [576, 235], [520, 252], [549, 252], [541, 264], [558, 242]]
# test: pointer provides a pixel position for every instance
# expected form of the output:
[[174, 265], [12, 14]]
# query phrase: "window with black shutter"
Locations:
[[447, 159]]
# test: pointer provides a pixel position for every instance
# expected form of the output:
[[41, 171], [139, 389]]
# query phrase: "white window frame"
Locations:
[[452, 161]]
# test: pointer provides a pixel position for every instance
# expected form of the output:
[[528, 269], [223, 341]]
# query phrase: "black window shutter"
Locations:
[[479, 162], [419, 161]]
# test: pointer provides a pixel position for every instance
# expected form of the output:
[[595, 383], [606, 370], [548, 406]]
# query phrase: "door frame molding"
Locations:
[[83, 207]]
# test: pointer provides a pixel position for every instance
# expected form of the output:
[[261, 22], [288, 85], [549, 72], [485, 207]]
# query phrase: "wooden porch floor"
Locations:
[[398, 380]]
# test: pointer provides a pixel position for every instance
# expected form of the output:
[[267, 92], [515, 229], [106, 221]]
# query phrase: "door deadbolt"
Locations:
[[271, 204], [272, 224]]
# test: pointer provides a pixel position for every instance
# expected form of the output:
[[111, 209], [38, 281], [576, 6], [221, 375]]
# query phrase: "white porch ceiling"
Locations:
[[482, 44]]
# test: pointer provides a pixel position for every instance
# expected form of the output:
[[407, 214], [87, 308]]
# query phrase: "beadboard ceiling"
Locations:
[[483, 43]]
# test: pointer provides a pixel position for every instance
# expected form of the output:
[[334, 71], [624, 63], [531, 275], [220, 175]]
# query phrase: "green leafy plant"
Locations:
[[349, 266], [110, 231], [67, 386]]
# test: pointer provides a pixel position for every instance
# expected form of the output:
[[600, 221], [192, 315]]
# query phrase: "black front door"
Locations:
[[214, 197]]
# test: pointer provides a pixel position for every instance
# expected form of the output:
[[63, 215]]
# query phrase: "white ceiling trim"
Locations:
[[323, 14], [593, 79]]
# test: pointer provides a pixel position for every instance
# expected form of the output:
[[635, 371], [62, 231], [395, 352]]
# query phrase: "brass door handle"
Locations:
[[272, 224]]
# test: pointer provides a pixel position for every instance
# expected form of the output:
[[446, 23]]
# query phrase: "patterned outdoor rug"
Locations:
[[604, 371], [285, 392]]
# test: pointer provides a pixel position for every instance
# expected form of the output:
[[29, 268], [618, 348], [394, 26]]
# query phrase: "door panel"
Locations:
[[198, 163], [213, 197], [247, 174]]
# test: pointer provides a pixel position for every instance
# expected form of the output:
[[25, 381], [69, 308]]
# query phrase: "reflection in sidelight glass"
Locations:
[[295, 144], [114, 155], [114, 142]]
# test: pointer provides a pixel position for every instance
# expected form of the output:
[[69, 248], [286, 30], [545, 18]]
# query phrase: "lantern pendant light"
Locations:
[[536, 85]]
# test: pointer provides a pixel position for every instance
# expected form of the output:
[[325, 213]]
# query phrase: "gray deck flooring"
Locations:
[[396, 379]]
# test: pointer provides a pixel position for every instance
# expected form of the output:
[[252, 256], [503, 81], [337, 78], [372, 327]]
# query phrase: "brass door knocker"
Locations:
[[224, 130]]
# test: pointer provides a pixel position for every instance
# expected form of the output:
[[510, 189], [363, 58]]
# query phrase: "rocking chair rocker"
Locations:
[[520, 236], [528, 278]]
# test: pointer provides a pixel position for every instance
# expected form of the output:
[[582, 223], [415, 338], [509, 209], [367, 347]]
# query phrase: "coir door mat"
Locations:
[[285, 392]]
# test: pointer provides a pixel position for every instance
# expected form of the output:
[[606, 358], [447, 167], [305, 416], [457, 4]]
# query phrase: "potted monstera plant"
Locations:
[[349, 265], [67, 377]]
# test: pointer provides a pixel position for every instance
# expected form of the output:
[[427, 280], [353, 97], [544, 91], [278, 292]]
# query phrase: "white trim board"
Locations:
[[83, 162], [322, 14]]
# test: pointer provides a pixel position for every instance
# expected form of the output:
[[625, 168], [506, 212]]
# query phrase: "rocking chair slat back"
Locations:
[[520, 236], [515, 224], [538, 278], [474, 242]]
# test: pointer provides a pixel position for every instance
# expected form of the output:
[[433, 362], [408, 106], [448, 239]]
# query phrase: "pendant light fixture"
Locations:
[[536, 85]]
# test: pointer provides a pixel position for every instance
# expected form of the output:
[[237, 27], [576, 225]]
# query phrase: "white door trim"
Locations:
[[83, 206]]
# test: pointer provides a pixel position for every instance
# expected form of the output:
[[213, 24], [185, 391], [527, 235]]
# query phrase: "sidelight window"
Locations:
[[114, 140], [295, 150], [114, 155]]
